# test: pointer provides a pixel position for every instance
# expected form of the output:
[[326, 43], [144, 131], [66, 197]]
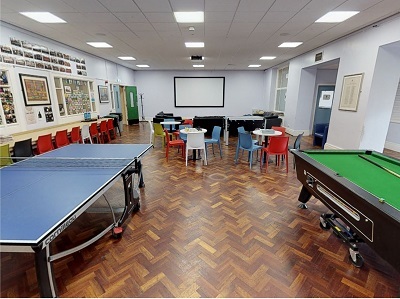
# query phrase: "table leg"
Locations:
[[44, 272]]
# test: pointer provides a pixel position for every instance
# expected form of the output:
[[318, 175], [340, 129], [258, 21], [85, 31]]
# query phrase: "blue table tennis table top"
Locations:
[[36, 199]]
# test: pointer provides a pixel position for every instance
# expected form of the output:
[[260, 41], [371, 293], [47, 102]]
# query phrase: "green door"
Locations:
[[132, 105]]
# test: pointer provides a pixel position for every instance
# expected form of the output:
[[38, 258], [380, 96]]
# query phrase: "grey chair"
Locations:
[[246, 143], [22, 150], [296, 146]]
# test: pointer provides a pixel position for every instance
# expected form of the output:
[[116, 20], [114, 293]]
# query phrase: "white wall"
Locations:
[[98, 70], [244, 91], [358, 53]]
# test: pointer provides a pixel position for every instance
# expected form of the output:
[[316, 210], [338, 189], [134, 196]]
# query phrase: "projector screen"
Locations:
[[199, 91]]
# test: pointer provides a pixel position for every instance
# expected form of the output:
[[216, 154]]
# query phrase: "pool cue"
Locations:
[[380, 166]]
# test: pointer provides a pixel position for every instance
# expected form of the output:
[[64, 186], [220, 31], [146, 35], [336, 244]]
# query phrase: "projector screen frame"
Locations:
[[202, 106]]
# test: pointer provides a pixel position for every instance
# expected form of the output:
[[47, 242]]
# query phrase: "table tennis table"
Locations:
[[41, 196]]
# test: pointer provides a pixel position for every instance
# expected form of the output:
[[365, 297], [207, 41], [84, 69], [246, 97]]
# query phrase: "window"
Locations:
[[281, 87]]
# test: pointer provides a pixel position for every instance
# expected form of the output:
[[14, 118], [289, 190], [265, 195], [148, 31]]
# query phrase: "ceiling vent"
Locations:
[[196, 57]]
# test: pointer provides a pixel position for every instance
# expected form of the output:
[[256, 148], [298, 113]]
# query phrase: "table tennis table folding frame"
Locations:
[[43, 258]]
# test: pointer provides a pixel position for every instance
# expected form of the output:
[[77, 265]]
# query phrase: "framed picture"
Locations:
[[351, 90], [103, 94], [35, 90]]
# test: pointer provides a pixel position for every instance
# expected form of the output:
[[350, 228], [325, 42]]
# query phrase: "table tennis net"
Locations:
[[50, 162]]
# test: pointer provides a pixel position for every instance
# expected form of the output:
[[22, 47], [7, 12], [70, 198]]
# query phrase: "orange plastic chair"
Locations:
[[94, 133], [281, 129], [104, 132], [44, 144], [75, 135], [278, 145], [111, 128], [188, 122], [171, 143], [61, 138]]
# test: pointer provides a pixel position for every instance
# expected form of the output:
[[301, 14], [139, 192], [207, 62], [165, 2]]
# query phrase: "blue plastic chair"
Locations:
[[215, 139], [246, 143]]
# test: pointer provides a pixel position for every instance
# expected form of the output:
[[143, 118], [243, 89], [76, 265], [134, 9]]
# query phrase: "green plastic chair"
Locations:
[[5, 157], [158, 132]]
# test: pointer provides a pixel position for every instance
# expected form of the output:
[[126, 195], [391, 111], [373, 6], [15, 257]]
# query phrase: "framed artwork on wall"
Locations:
[[35, 90], [103, 94], [351, 90]]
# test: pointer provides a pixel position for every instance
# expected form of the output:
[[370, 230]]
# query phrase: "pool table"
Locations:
[[362, 190]]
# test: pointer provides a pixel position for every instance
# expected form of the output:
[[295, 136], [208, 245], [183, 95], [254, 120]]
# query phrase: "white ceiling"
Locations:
[[236, 33]]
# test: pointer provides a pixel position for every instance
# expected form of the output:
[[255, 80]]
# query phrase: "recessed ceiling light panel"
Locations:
[[99, 44], [267, 57], [254, 65], [336, 16], [189, 17], [198, 65], [142, 65], [194, 45], [43, 17], [127, 58], [290, 44]]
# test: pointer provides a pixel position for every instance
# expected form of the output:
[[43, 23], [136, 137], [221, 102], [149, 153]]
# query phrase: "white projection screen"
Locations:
[[199, 91]]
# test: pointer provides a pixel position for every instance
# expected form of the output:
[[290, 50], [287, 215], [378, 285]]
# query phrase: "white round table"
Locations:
[[262, 134]]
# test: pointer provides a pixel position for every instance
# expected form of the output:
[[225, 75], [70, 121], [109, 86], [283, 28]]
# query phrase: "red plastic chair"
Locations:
[[111, 128], [188, 122], [104, 132], [171, 143], [94, 133], [61, 138], [281, 129], [75, 135], [44, 144], [278, 145]]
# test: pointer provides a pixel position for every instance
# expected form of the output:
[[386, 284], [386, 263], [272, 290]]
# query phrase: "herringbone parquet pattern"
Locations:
[[220, 230]]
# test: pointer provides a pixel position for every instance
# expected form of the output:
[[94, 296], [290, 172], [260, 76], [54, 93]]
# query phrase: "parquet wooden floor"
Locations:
[[220, 230]]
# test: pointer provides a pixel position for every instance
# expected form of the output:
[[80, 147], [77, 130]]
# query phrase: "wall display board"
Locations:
[[26, 53], [7, 111], [199, 91], [351, 90], [74, 96], [35, 90]]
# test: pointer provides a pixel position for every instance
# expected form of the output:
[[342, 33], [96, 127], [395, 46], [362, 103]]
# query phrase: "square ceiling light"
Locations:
[[43, 17], [99, 44], [127, 58], [290, 44], [142, 65], [267, 57], [194, 45], [336, 16], [189, 17]]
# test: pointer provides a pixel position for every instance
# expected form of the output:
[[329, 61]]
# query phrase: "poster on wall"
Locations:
[[35, 90], [30, 116], [103, 94], [325, 101], [48, 113], [351, 90]]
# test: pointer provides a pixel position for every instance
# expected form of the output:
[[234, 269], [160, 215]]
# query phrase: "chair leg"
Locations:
[[205, 157], [220, 149], [287, 166], [186, 151]]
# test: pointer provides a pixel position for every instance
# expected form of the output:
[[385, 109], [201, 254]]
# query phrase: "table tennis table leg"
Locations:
[[44, 272]]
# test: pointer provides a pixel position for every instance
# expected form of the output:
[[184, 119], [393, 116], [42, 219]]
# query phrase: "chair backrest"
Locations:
[[93, 129], [297, 142], [23, 149], [103, 126], [241, 130], [280, 129], [75, 135], [216, 132], [183, 136], [5, 158], [44, 144], [169, 127], [245, 140], [320, 128], [61, 138], [278, 144], [110, 124], [195, 141], [188, 122], [167, 136], [86, 134], [158, 129]]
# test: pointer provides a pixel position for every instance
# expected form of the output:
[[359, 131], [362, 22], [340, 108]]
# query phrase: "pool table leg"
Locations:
[[304, 197]]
